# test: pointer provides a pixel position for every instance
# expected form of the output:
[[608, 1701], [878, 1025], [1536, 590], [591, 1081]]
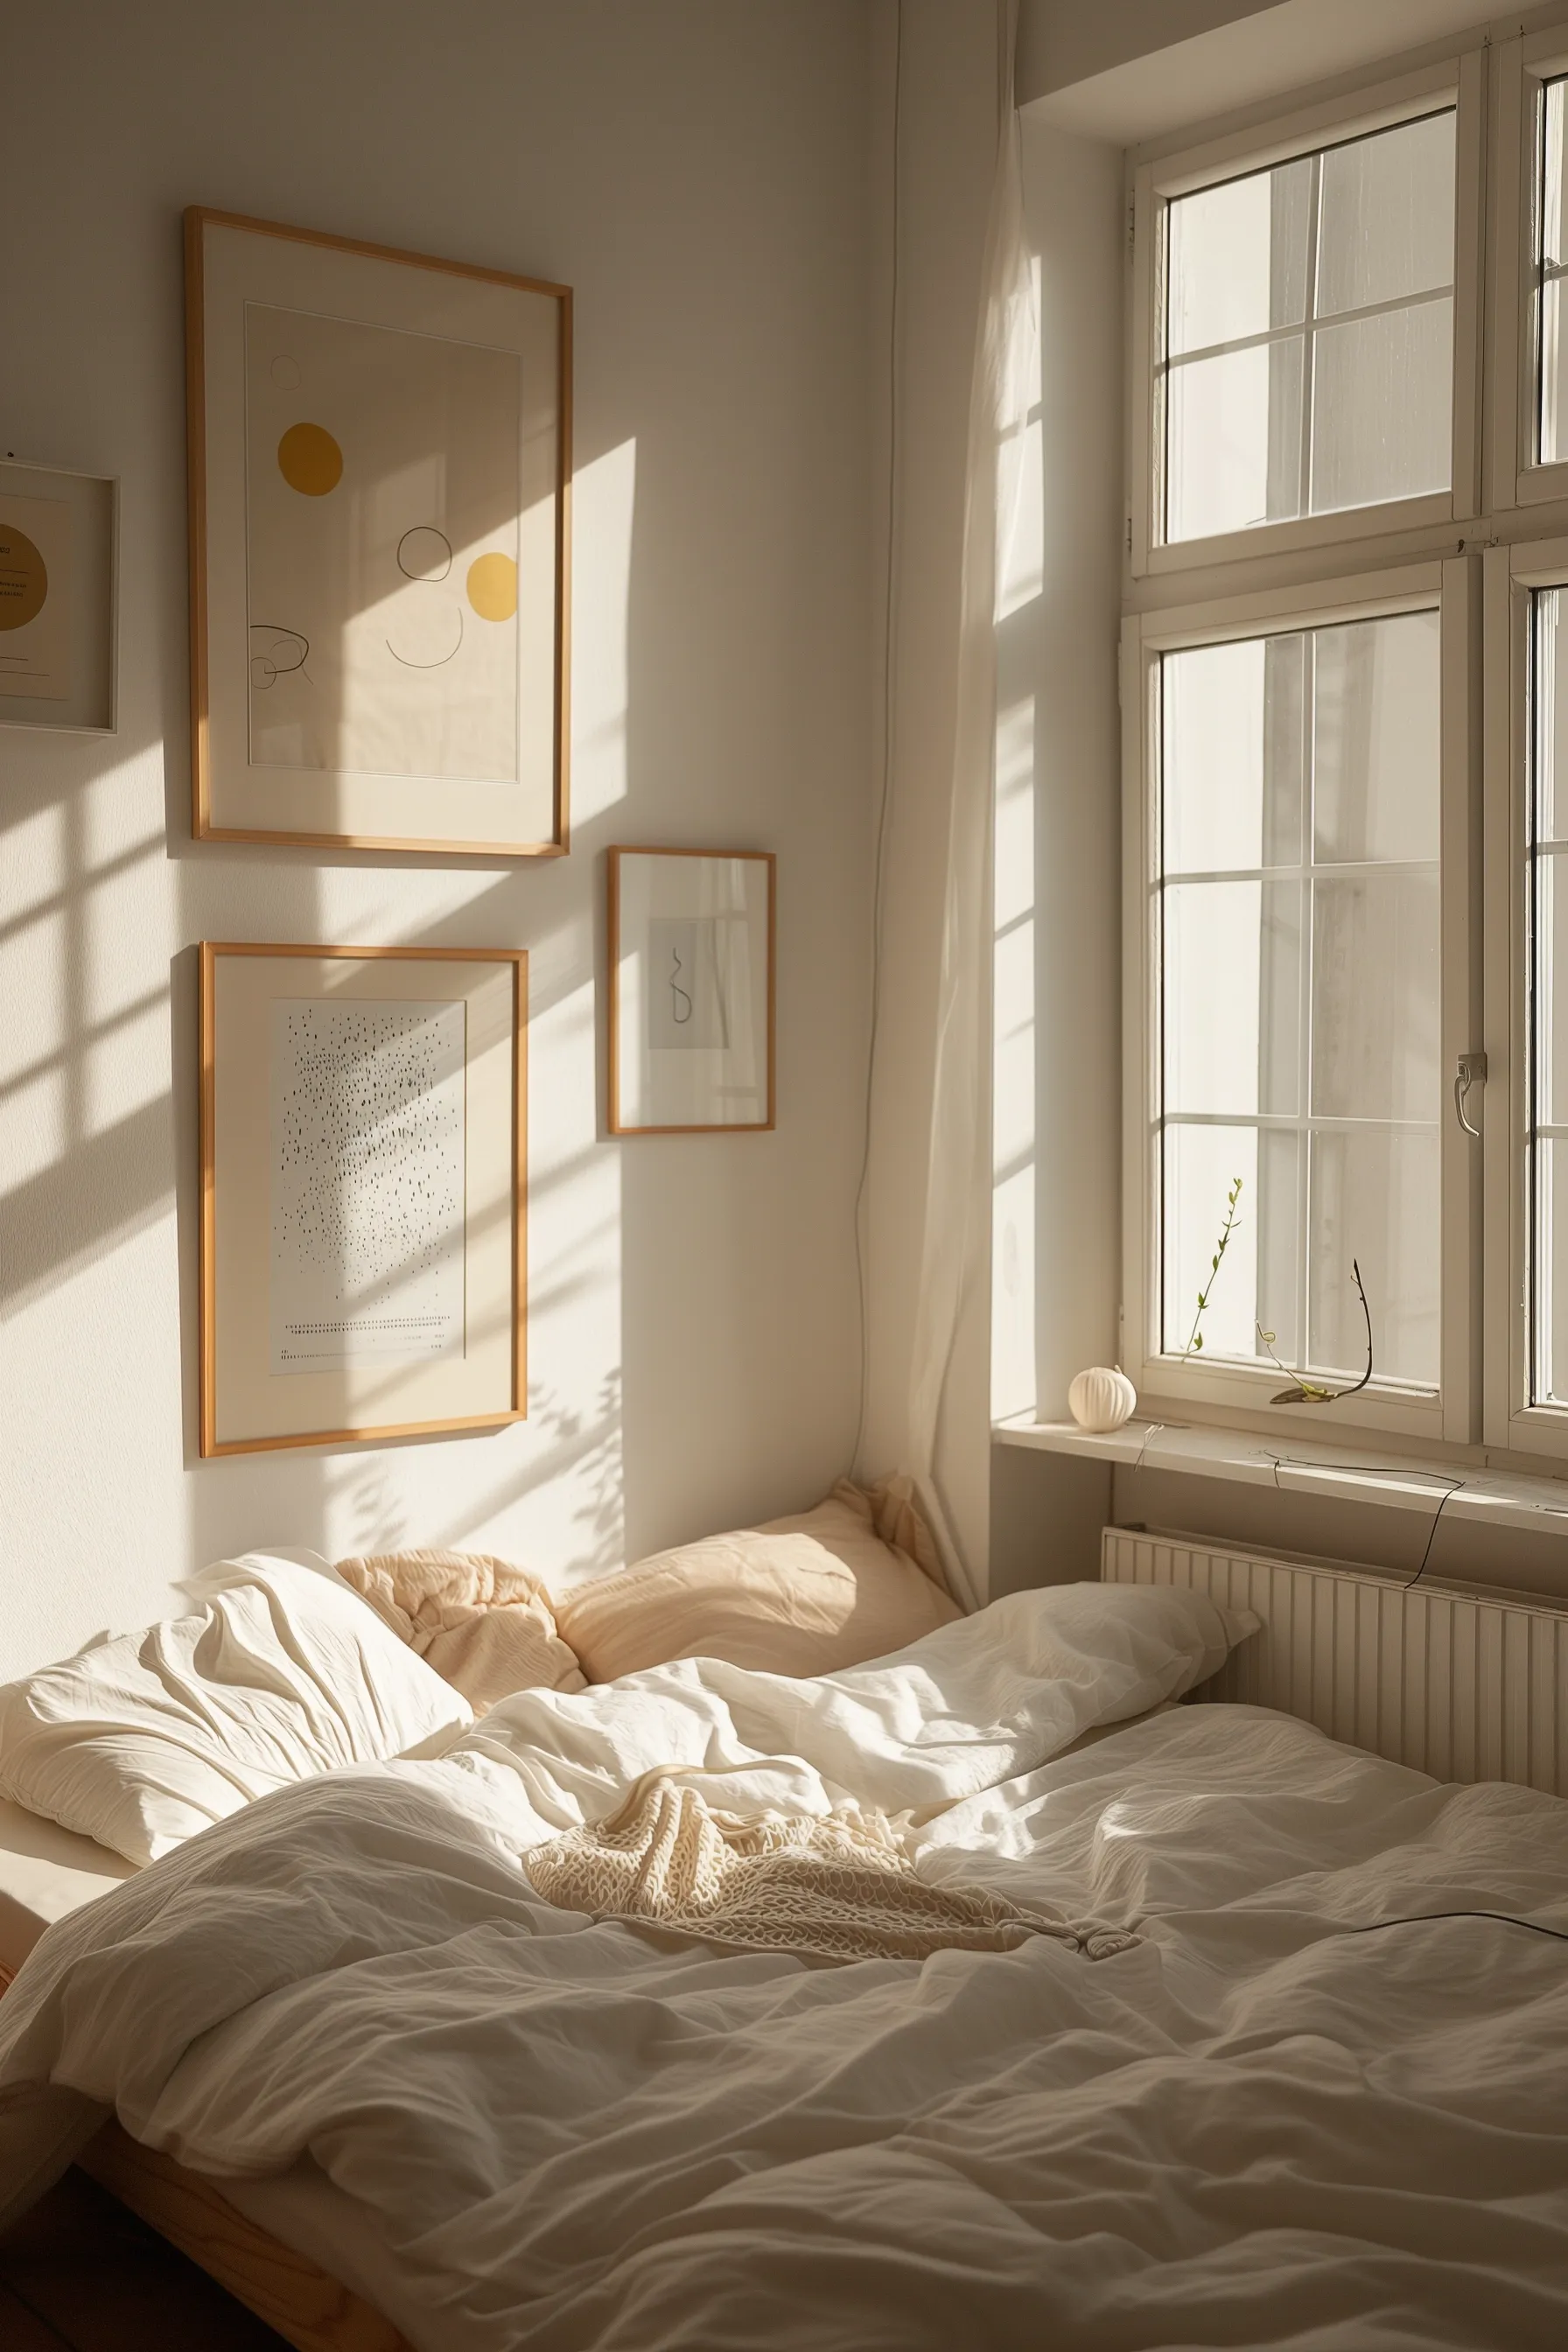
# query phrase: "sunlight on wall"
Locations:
[[85, 977], [604, 502], [33, 1072], [1020, 487], [1013, 1128]]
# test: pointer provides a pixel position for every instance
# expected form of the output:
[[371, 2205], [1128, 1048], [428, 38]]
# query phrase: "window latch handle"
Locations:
[[1471, 1071]]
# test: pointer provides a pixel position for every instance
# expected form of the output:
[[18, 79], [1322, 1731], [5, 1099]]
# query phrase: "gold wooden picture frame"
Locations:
[[363, 1159], [692, 991], [59, 602], [380, 458]]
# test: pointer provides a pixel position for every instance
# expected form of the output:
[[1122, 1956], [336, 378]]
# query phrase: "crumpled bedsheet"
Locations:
[[1279, 2119]]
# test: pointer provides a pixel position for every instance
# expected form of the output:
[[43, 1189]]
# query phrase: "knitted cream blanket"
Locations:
[[836, 1886]]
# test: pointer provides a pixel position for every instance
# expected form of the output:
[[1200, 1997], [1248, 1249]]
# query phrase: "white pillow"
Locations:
[[282, 1674]]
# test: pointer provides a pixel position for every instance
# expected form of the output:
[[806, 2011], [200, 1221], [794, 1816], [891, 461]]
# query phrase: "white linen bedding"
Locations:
[[1257, 2126], [281, 1672]]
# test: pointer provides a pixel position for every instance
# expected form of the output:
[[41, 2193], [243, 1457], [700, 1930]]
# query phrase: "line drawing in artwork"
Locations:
[[688, 989], [369, 1185], [266, 667], [680, 996], [441, 659], [417, 561], [382, 480]]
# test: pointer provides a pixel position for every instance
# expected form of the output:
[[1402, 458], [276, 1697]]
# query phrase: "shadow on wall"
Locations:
[[100, 1150]]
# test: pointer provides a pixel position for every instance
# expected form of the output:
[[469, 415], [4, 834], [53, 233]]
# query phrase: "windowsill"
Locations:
[[1351, 1473]]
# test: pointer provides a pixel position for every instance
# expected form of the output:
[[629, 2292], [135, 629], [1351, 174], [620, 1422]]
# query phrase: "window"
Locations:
[[1547, 1131], [1307, 333], [1345, 718], [1551, 258], [1313, 946], [1298, 912]]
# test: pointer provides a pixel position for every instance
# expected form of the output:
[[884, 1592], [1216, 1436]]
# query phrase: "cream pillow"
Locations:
[[282, 1674], [484, 1626], [800, 1596]]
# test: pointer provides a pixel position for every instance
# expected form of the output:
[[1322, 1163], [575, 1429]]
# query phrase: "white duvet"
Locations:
[[1259, 2126]]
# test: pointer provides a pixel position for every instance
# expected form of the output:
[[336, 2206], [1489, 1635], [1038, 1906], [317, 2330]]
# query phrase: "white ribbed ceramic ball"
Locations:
[[1102, 1399]]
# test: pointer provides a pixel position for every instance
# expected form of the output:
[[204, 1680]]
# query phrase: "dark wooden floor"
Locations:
[[79, 2273]]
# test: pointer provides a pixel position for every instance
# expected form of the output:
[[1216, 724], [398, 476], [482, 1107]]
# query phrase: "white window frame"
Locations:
[[1458, 80], [1521, 69], [1511, 1420], [1227, 1392]]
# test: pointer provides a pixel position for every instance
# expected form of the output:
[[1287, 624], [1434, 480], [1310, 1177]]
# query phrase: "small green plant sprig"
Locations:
[[1302, 1391], [1195, 1337]]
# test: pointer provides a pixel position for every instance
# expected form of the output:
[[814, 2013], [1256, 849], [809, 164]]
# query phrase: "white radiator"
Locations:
[[1462, 1686]]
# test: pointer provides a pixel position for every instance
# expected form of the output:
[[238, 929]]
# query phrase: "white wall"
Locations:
[[1058, 1218], [697, 170], [1062, 42]]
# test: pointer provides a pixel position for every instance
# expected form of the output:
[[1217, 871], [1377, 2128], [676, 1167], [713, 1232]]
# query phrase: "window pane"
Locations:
[[1376, 1200], [1375, 739], [1387, 226], [1550, 716], [1551, 991], [1256, 1283], [1549, 1003], [1233, 755], [1382, 407], [1549, 1368], [1302, 991], [1235, 450], [1553, 253], [1238, 258], [1233, 966], [1306, 349], [1375, 996]]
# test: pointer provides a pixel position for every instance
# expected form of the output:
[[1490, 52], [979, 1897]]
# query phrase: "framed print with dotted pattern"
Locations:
[[363, 1185], [380, 449]]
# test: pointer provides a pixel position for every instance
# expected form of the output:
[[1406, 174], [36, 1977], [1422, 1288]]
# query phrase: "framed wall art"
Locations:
[[363, 1185], [380, 453], [692, 990], [59, 554]]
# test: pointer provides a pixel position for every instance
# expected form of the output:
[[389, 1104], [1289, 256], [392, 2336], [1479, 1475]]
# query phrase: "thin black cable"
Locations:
[[1503, 1919], [1283, 1462], [1375, 1926], [1457, 1488], [862, 1272]]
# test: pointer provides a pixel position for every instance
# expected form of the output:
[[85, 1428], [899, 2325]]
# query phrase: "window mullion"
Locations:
[[1308, 340]]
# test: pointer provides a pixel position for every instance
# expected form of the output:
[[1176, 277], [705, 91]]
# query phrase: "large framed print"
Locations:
[[363, 1187], [380, 452], [59, 554], [692, 990]]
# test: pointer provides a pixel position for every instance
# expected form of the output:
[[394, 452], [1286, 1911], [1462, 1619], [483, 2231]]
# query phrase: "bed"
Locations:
[[1318, 2100]]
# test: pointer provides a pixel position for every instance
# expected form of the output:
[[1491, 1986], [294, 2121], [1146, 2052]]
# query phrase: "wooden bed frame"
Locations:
[[305, 2305]]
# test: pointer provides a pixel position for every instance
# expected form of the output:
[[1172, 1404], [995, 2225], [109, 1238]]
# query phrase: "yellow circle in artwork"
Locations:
[[310, 460], [493, 587], [24, 578]]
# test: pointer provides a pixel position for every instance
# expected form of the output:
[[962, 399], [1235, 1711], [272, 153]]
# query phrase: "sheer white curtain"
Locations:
[[954, 1249]]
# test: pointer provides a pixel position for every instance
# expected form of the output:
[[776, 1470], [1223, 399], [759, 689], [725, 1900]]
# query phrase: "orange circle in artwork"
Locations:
[[493, 587], [310, 460], [24, 578]]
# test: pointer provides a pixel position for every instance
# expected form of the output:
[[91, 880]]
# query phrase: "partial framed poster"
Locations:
[[363, 1156], [58, 554], [380, 455], [692, 990]]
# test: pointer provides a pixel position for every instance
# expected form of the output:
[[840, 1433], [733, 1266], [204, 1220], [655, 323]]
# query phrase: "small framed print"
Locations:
[[363, 1155], [692, 990], [379, 460], [59, 552]]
